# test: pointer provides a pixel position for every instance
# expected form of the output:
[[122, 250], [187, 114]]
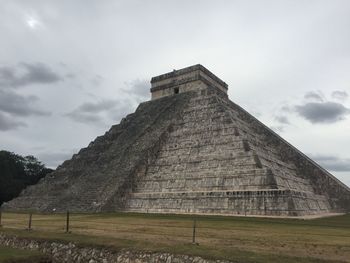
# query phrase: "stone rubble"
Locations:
[[71, 253]]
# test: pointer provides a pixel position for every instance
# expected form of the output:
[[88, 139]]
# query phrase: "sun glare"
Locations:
[[33, 22]]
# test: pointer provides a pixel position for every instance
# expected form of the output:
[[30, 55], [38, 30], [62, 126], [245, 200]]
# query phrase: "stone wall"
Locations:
[[193, 78], [71, 253], [259, 202]]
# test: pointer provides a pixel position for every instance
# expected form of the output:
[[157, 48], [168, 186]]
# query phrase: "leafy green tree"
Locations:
[[17, 172]]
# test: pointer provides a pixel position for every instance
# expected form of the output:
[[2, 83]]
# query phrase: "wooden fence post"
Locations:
[[194, 231], [30, 222], [67, 222]]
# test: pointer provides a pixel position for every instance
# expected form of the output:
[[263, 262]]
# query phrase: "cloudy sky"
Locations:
[[71, 69]]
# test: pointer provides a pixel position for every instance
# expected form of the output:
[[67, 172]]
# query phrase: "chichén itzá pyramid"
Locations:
[[189, 150]]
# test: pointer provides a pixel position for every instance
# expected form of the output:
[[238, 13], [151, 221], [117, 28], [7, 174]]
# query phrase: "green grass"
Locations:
[[18, 255], [242, 239]]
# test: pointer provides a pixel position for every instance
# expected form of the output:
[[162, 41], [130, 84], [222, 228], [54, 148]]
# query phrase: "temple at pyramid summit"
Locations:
[[189, 150]]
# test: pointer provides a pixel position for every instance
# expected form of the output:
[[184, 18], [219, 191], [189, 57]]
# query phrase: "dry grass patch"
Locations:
[[243, 238]]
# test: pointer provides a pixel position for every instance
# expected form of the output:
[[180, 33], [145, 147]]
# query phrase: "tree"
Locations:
[[17, 172]]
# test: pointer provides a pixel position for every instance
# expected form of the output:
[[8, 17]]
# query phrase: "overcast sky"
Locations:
[[71, 69]]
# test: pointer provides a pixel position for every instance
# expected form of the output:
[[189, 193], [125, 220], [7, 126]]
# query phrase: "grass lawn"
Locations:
[[15, 255], [242, 239]]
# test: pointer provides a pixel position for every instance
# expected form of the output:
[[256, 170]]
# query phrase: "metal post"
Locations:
[[194, 231], [30, 222], [67, 222]]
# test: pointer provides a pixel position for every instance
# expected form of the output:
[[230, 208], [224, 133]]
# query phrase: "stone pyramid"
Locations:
[[189, 150]]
